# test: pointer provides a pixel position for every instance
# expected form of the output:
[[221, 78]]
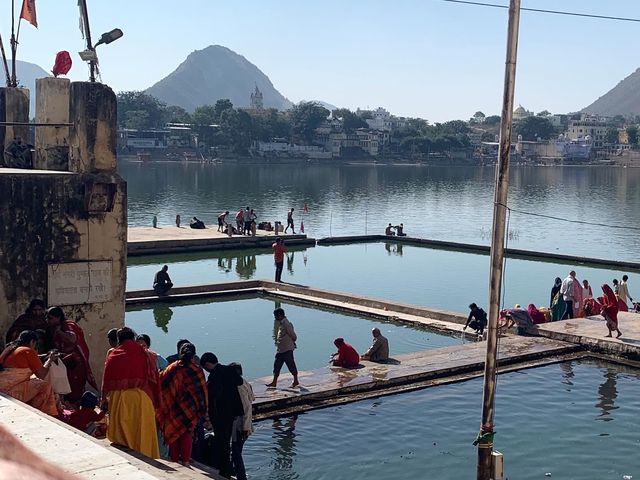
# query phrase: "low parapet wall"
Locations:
[[483, 249]]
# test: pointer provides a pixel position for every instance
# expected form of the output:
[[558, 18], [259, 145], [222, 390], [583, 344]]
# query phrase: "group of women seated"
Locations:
[[41, 345]]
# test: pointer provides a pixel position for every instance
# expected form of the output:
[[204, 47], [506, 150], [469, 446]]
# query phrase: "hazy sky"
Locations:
[[423, 58]]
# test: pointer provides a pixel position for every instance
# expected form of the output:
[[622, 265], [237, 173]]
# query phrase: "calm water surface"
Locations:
[[416, 275], [575, 420], [450, 203], [243, 331]]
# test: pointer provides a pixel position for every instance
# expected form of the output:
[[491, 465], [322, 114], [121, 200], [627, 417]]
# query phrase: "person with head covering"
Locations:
[[610, 310], [183, 403], [346, 356], [557, 305], [20, 362], [379, 351], [131, 387], [34, 318], [536, 315], [67, 337]]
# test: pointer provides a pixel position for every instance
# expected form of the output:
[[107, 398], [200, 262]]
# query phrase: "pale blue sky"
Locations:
[[422, 58]]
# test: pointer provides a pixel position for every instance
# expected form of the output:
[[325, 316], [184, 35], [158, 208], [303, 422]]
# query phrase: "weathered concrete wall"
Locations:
[[14, 107], [52, 106], [93, 111], [49, 217], [46, 222]]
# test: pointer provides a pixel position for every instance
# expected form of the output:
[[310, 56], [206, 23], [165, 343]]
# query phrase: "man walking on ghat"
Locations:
[[290, 222], [285, 344], [278, 257]]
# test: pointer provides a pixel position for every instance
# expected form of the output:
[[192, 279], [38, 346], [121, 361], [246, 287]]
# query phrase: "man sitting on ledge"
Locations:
[[389, 231], [346, 356], [197, 224], [379, 351], [162, 282]]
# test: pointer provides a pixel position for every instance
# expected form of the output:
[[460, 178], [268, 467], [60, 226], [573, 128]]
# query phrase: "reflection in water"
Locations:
[[608, 393], [290, 258], [393, 248], [285, 448], [246, 266], [567, 374], [162, 315]]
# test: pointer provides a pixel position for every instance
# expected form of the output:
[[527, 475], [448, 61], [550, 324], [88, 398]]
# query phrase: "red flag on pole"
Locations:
[[29, 12]]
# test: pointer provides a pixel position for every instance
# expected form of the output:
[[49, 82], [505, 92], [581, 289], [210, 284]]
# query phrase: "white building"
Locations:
[[593, 127], [521, 113]]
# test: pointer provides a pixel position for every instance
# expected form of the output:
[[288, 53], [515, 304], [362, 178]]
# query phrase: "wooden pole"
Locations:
[[4, 62], [14, 45], [485, 440]]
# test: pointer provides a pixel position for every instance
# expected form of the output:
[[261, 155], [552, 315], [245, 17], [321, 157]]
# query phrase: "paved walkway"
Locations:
[[321, 384], [591, 332]]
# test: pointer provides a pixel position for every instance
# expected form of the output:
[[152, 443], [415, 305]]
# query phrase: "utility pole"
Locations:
[[485, 438], [87, 34], [14, 45]]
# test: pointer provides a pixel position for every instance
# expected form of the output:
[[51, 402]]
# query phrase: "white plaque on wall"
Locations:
[[78, 283]]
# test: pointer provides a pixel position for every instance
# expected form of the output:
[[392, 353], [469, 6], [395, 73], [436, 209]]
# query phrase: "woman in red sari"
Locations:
[[183, 403], [610, 310], [67, 337]]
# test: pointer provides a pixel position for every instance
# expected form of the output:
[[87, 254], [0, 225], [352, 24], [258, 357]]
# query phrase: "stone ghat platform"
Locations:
[[332, 385], [484, 250], [84, 456], [167, 240]]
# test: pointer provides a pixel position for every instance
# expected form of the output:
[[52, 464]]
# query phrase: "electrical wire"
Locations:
[[541, 10], [569, 220]]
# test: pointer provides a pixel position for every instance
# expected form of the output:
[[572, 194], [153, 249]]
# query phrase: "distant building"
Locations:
[[256, 100], [594, 127], [382, 120], [521, 113]]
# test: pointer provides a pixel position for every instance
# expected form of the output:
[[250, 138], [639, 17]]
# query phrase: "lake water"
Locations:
[[448, 203], [242, 330], [574, 420], [402, 273]]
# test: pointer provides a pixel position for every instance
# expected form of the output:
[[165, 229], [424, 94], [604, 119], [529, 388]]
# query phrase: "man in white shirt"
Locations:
[[569, 294], [623, 290]]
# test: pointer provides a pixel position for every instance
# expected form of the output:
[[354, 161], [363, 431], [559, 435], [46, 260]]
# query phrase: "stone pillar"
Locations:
[[92, 139], [14, 107], [52, 106]]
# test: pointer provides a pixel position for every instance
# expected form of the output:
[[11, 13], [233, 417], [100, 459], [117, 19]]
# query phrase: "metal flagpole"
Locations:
[[14, 45], [4, 62], [485, 437], [87, 33]]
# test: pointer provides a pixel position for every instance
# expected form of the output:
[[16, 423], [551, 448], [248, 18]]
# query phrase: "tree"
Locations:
[[611, 136], [175, 114], [532, 128], [492, 120], [350, 121], [140, 102], [632, 134], [487, 137], [544, 113], [305, 118], [478, 117], [221, 106]]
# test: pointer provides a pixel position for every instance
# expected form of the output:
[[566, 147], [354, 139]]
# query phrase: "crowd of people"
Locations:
[[156, 406], [570, 298]]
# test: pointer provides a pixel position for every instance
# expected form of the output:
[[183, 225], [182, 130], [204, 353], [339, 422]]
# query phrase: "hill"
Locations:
[[622, 99], [214, 73], [26, 74]]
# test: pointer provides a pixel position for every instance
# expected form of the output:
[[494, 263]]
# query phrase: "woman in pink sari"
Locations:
[[68, 338], [19, 362], [536, 315]]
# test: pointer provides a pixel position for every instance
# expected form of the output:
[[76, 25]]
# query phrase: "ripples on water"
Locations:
[[450, 203], [575, 420]]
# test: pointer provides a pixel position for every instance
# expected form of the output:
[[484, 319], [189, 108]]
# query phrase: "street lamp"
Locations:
[[89, 55]]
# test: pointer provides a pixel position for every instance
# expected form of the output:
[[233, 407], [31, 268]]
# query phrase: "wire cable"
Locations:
[[562, 219], [541, 10]]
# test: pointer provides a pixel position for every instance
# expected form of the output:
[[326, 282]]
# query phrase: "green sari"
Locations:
[[558, 307]]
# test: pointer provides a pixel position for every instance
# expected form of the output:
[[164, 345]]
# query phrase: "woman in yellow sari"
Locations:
[[19, 362], [131, 386]]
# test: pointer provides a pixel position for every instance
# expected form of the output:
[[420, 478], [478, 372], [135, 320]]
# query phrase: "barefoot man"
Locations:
[[285, 344]]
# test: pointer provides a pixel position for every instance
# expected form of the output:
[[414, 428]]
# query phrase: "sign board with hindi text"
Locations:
[[78, 283]]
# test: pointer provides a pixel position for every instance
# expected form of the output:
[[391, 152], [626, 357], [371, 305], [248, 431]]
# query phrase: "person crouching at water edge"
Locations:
[[477, 319], [346, 356], [131, 385], [285, 344], [379, 351]]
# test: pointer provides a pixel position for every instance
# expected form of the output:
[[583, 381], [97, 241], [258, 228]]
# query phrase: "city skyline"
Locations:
[[428, 59]]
